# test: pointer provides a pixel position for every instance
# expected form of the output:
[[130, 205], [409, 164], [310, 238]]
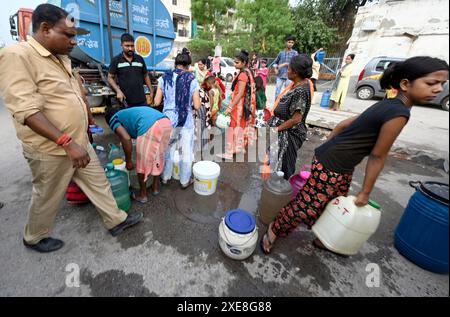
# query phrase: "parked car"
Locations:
[[228, 69], [368, 86]]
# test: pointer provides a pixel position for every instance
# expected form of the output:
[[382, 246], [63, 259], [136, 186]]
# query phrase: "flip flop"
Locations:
[[261, 244], [318, 244], [225, 156], [184, 187], [139, 200]]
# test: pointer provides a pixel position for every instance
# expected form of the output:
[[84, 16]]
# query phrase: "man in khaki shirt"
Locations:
[[51, 119]]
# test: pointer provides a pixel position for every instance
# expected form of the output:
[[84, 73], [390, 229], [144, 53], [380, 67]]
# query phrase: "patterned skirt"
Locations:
[[151, 148], [322, 187]]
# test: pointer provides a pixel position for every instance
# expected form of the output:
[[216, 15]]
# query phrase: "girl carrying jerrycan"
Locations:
[[418, 81]]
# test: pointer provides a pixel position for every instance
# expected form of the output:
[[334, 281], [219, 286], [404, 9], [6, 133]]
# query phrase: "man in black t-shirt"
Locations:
[[128, 73]]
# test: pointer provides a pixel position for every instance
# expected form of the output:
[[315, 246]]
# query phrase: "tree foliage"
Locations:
[[267, 24], [263, 25]]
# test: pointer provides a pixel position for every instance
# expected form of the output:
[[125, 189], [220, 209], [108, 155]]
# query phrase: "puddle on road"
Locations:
[[211, 209]]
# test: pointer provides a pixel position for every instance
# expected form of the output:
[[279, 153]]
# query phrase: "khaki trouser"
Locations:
[[51, 176]]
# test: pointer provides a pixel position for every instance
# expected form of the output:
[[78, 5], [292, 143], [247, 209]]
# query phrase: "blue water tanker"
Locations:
[[106, 20]]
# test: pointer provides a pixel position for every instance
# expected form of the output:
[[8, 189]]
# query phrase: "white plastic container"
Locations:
[[223, 121], [176, 166], [344, 228], [237, 246], [206, 174]]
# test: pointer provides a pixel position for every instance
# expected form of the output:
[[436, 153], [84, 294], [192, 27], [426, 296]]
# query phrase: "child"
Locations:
[[215, 96], [152, 130], [418, 81], [216, 69], [261, 101], [263, 72]]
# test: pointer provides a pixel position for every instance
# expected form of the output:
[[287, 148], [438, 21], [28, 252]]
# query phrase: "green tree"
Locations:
[[313, 34], [337, 14], [266, 24], [210, 14]]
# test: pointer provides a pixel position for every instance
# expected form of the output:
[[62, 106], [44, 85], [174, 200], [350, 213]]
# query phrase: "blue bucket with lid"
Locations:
[[240, 221]]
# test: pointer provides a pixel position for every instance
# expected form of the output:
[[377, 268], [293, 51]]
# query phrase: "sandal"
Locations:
[[139, 200], [261, 242], [184, 187], [319, 245], [225, 156]]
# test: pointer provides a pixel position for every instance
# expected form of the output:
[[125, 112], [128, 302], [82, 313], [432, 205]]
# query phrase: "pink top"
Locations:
[[216, 65], [263, 73]]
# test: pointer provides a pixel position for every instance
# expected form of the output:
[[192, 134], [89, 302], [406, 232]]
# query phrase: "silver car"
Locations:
[[368, 86]]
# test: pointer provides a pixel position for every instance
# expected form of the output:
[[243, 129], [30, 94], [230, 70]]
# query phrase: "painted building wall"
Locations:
[[400, 28], [184, 33]]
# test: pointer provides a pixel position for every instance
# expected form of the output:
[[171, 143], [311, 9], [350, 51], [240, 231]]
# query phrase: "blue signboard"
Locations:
[[147, 20]]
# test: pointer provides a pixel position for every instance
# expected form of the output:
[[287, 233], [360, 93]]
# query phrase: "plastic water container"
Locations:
[[344, 228], [121, 165], [321, 56], [96, 129], [119, 186], [206, 174], [276, 193], [223, 121], [325, 102], [422, 235], [176, 165], [299, 180], [238, 234], [101, 154], [75, 195], [115, 152]]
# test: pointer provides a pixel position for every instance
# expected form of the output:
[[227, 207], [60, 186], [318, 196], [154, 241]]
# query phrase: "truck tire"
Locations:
[[365, 93]]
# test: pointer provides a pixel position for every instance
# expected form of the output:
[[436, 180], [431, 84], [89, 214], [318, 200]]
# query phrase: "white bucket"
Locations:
[[237, 246], [206, 175], [176, 166]]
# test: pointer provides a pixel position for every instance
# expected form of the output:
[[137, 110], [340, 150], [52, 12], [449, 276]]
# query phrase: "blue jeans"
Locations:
[[182, 140], [281, 85]]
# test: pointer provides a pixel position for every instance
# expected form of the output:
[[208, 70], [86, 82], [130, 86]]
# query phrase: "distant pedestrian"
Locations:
[[254, 64], [340, 87], [281, 65], [201, 71], [263, 72], [216, 68], [315, 68], [261, 101]]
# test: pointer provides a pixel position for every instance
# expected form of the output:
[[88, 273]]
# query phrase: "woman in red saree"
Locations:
[[242, 109]]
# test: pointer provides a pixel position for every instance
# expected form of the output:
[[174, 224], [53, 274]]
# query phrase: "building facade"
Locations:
[[400, 28], [182, 21]]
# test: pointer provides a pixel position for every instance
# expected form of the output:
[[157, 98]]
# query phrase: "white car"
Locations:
[[227, 68]]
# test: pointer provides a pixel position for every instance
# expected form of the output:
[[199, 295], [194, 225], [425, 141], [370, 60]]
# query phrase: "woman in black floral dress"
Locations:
[[289, 115]]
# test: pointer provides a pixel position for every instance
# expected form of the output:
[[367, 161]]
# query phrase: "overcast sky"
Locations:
[[11, 7]]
